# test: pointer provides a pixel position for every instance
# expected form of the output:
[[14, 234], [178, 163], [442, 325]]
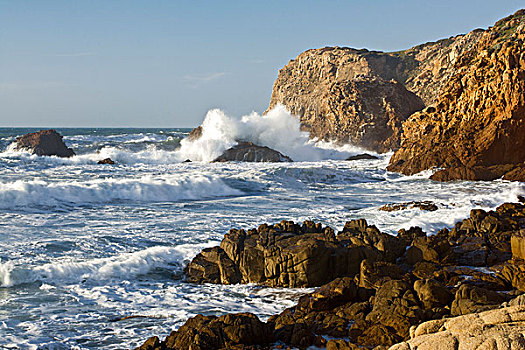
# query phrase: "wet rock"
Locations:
[[213, 265], [213, 333], [44, 143], [425, 205], [187, 161], [106, 161], [292, 255], [362, 156], [249, 152], [195, 133]]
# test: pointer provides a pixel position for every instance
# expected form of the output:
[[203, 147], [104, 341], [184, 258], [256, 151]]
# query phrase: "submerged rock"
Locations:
[[43, 143], [249, 152]]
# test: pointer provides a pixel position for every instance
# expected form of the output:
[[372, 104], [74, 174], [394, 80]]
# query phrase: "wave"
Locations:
[[278, 129], [165, 188], [121, 267]]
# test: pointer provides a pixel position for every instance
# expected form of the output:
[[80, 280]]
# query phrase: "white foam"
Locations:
[[122, 267], [148, 188], [278, 129]]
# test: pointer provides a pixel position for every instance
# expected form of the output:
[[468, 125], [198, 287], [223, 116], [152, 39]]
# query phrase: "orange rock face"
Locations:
[[476, 131]]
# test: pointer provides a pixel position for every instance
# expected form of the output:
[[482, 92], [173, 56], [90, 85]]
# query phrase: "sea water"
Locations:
[[92, 256]]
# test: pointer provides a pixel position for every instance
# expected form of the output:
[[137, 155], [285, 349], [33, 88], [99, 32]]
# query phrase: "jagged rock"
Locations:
[[291, 255], [238, 331], [195, 133], [249, 152], [424, 205], [517, 244], [43, 143], [476, 131], [432, 293], [106, 161], [501, 329], [362, 156], [470, 299]]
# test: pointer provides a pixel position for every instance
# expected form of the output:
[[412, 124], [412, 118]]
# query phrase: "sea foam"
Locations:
[[148, 188]]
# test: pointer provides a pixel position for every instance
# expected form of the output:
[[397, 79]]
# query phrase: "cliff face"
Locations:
[[476, 130], [363, 97]]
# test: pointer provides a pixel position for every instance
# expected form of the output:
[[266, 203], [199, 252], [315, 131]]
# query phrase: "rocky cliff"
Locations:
[[476, 128], [363, 97]]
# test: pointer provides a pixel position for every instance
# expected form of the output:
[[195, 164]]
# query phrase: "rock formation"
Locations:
[[502, 329], [363, 97], [43, 143], [380, 286], [249, 152], [476, 130]]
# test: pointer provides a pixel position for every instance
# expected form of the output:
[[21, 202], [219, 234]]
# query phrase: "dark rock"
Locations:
[[249, 152], [362, 156], [425, 205], [211, 333], [470, 299], [106, 161], [432, 293], [44, 143], [187, 161], [291, 255]]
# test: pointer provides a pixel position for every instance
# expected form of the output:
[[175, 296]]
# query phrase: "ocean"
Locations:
[[92, 256]]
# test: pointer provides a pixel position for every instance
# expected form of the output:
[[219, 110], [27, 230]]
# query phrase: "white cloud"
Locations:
[[197, 80], [31, 85], [74, 54]]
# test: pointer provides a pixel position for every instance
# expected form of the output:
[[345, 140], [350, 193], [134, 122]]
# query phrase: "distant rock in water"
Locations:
[[424, 205], [106, 161], [249, 152], [187, 161], [362, 156], [196, 133], [44, 143]]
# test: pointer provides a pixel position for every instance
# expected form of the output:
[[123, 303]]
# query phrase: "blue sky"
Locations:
[[165, 63]]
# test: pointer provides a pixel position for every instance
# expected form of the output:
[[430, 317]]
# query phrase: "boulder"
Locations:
[[470, 299], [249, 152], [195, 133], [499, 329], [106, 161], [362, 156], [213, 333], [517, 243], [43, 143], [424, 205], [292, 255]]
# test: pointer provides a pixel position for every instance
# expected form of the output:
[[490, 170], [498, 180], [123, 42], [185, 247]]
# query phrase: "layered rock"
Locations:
[[476, 130], [249, 152], [43, 143]]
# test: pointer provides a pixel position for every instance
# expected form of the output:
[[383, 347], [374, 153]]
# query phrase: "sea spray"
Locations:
[[278, 129]]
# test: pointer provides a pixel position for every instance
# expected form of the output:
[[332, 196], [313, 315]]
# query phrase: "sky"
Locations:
[[154, 63]]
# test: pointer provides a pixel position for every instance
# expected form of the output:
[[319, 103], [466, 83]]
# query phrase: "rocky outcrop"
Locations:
[[106, 161], [502, 329], [476, 129], [292, 255], [363, 156], [43, 143], [249, 152], [362, 97], [375, 287], [421, 205]]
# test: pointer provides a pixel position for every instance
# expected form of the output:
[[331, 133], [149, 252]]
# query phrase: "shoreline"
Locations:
[[401, 282]]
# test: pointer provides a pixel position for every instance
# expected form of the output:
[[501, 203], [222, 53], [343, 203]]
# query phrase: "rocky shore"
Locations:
[[375, 290]]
